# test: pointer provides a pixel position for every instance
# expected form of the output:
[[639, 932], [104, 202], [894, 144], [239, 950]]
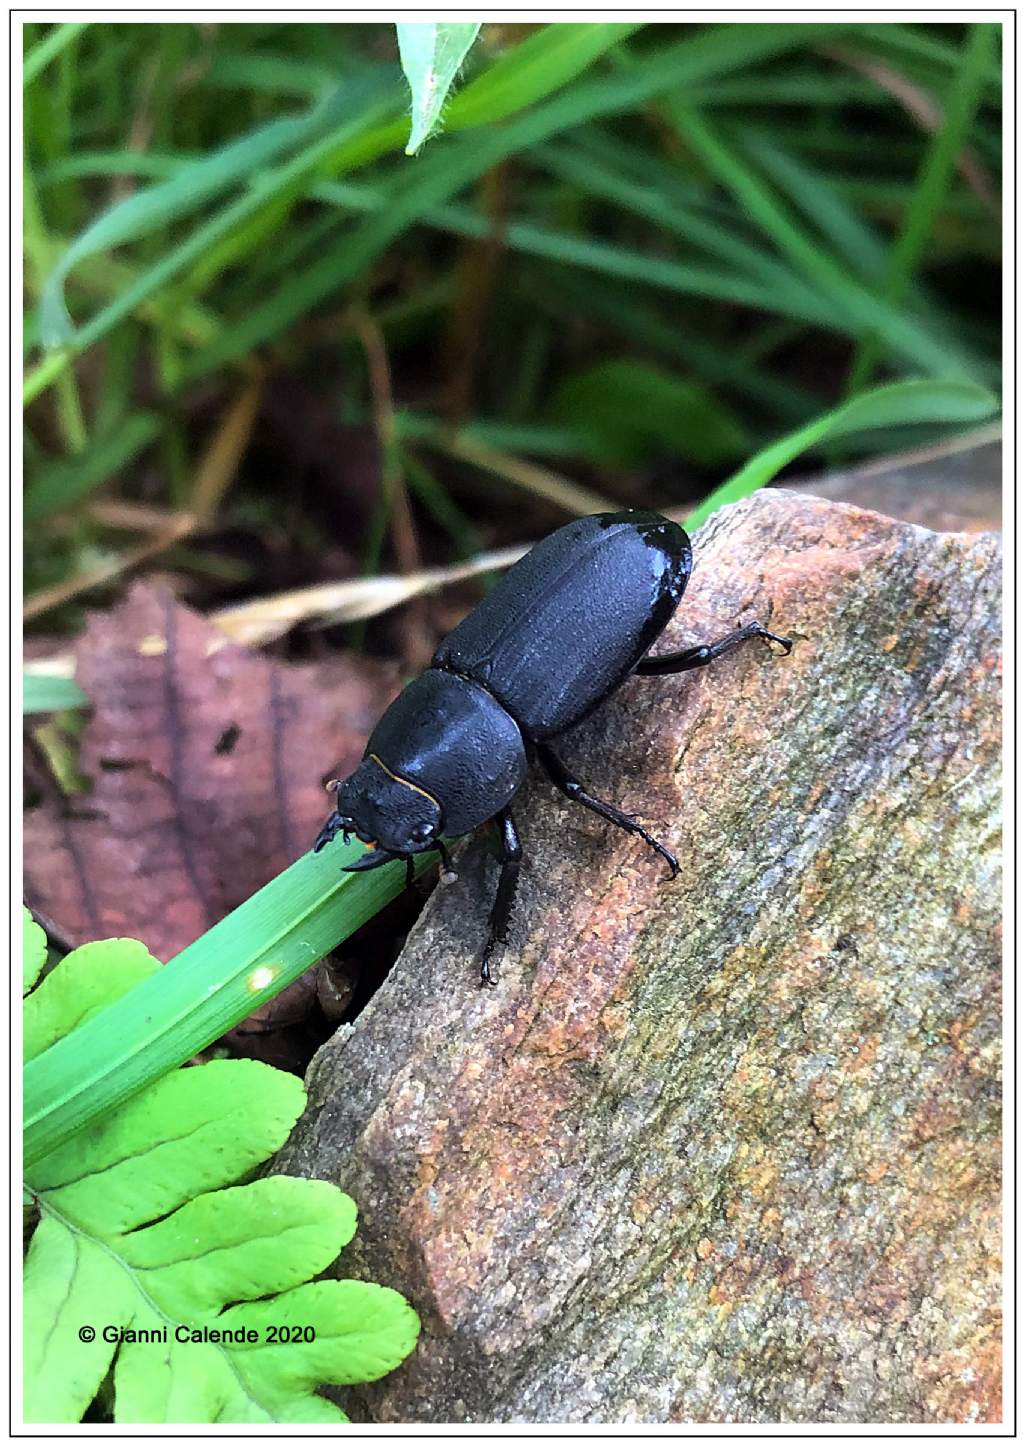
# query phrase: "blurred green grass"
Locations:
[[636, 254]]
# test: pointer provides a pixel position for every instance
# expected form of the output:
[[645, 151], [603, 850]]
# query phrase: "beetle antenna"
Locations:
[[448, 873]]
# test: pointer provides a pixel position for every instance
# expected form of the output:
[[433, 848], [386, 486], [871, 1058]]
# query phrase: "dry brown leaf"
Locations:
[[207, 763]]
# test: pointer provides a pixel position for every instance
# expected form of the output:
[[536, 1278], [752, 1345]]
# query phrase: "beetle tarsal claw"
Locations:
[[327, 833], [786, 643]]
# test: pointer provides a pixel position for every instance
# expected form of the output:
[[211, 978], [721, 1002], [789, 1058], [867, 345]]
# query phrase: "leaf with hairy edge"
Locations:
[[431, 57], [173, 1271]]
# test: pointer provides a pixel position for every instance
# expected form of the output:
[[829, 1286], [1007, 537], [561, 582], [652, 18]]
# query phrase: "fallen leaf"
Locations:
[[207, 764]]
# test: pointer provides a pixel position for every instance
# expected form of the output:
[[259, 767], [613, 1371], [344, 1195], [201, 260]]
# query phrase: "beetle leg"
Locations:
[[511, 857], [707, 652], [574, 789], [331, 828]]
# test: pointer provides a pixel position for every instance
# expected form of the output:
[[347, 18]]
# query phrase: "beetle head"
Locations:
[[393, 816]]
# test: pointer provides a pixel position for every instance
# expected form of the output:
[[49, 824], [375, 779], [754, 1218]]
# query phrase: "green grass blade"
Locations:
[[539, 65], [934, 180], [147, 165], [654, 200], [517, 79], [905, 403], [913, 43], [810, 189], [173, 200], [903, 335], [640, 319], [39, 57], [240, 963], [432, 54], [252, 71], [41, 692], [605, 258], [62, 483]]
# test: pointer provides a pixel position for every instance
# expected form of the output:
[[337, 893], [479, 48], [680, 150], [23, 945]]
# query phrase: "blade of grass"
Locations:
[[253, 71], [919, 104], [39, 251], [810, 189], [936, 173], [520, 78], [532, 70], [606, 258], [109, 570], [45, 692], [903, 335], [312, 135], [147, 165], [62, 483], [620, 308], [538, 481], [262, 619], [240, 963], [438, 501], [39, 57], [915, 43], [654, 201], [904, 403]]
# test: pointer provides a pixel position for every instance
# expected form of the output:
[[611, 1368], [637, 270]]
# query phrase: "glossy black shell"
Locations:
[[568, 623], [449, 737]]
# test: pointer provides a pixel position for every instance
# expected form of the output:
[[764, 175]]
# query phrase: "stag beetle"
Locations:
[[560, 632]]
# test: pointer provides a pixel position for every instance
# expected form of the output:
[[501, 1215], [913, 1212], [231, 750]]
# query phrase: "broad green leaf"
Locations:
[[904, 403], [431, 56], [33, 950], [89, 980], [42, 693], [629, 412], [143, 1228]]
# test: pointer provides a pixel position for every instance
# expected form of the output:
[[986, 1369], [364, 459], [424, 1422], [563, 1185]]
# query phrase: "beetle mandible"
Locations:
[[560, 632]]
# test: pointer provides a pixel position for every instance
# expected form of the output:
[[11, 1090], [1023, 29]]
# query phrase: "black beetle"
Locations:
[[559, 633]]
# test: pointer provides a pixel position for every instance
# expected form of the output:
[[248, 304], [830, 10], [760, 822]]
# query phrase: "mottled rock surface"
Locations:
[[725, 1149]]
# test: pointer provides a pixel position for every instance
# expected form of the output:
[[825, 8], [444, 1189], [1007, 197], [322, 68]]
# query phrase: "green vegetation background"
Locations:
[[632, 257]]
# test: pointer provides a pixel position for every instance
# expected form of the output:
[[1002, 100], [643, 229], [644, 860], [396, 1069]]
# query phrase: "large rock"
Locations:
[[724, 1149]]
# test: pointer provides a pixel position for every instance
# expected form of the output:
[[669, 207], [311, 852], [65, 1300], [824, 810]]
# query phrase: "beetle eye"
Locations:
[[422, 832]]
